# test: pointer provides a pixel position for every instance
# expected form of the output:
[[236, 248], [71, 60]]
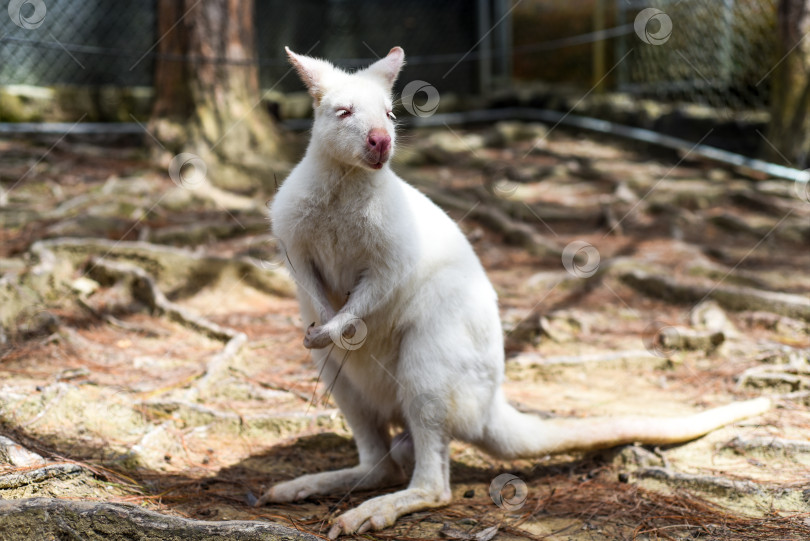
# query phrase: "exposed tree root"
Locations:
[[176, 269], [115, 322], [735, 277], [677, 515], [500, 194], [146, 290], [219, 364], [793, 378], [514, 232], [710, 483], [203, 232], [224, 198], [790, 230], [735, 224], [685, 339], [799, 397], [46, 518], [769, 446], [18, 478], [768, 204], [731, 298], [535, 359]]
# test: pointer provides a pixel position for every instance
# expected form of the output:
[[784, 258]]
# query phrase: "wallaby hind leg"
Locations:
[[429, 486], [376, 468]]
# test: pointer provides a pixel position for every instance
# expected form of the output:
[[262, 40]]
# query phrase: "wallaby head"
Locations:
[[354, 122]]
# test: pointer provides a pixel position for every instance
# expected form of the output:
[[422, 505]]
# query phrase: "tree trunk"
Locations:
[[208, 100], [789, 129]]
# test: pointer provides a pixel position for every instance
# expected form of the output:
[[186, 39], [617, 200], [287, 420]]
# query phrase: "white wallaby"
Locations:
[[402, 319]]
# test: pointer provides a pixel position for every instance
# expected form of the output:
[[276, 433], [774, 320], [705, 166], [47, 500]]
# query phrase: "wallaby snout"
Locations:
[[378, 147]]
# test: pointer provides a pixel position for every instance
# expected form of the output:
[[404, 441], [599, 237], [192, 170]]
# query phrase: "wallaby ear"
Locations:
[[386, 69], [312, 71]]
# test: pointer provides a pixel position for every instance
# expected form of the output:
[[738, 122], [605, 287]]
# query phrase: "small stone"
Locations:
[[710, 316], [718, 174], [15, 454], [84, 286]]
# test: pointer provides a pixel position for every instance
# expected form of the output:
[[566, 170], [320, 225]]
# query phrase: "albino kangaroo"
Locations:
[[404, 321]]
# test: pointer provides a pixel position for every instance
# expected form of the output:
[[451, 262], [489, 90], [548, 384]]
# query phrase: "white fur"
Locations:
[[361, 243]]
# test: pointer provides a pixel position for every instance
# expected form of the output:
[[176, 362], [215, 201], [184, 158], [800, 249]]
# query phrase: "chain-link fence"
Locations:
[[77, 42], [713, 52], [104, 42], [353, 33]]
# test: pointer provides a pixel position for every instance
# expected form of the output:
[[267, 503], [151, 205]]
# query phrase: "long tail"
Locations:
[[512, 434]]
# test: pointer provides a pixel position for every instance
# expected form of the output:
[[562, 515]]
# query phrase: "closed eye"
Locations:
[[343, 112], [391, 115]]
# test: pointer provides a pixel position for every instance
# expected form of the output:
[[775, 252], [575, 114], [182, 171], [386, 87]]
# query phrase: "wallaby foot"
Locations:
[[362, 477], [383, 511]]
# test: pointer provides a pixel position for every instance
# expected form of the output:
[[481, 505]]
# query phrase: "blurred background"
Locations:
[[715, 63]]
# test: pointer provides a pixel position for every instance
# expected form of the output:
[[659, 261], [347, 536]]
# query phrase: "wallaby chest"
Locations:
[[342, 233]]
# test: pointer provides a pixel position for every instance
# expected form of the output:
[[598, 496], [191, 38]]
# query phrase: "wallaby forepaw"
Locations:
[[344, 330], [317, 337]]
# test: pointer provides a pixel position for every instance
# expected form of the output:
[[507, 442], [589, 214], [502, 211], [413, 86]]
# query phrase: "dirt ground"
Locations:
[[151, 345]]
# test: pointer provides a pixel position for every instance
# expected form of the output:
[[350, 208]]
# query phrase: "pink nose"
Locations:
[[379, 141]]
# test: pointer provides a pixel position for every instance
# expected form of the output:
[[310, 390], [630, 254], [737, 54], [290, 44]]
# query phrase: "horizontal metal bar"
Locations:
[[473, 117], [62, 128]]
